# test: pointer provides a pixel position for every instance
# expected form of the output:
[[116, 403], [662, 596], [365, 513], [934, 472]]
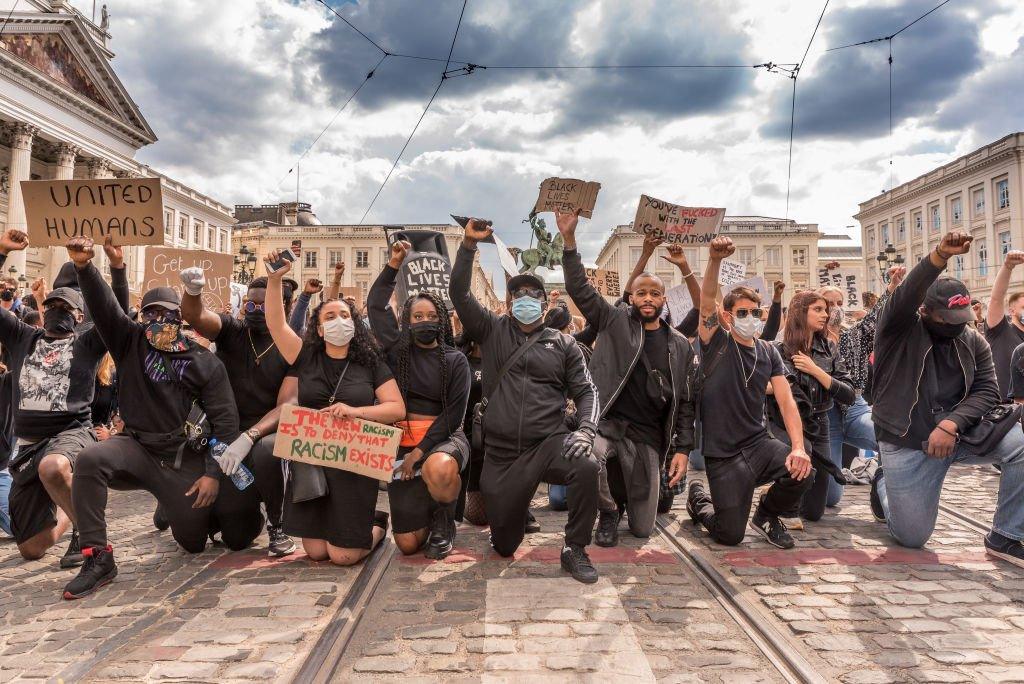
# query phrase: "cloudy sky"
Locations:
[[237, 89]]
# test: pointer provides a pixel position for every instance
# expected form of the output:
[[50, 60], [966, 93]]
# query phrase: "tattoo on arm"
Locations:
[[711, 320]]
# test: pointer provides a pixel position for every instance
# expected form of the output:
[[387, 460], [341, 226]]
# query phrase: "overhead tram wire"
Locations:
[[892, 35], [444, 77], [353, 27]]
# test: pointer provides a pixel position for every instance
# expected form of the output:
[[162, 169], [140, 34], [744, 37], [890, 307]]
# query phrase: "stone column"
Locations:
[[99, 168], [22, 135], [66, 154]]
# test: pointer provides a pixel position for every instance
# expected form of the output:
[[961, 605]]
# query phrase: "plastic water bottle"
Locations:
[[241, 477]]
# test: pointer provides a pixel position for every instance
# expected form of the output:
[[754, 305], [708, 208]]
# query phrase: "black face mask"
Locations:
[[257, 321], [58, 321], [944, 331], [7, 295], [645, 319], [426, 332]]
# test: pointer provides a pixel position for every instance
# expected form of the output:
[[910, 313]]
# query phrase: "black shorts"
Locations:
[[410, 501], [32, 510]]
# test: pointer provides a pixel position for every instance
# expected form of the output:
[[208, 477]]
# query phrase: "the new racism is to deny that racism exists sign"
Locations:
[[318, 438], [675, 223], [129, 209]]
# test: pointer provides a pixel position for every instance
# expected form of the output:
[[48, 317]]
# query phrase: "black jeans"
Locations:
[[236, 513], [812, 505], [268, 471], [122, 463], [510, 479], [732, 481]]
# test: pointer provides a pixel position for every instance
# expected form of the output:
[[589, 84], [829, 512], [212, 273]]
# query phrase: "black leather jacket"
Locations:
[[826, 357]]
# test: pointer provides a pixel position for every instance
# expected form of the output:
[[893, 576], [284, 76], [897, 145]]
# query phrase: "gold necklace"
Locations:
[[257, 354]]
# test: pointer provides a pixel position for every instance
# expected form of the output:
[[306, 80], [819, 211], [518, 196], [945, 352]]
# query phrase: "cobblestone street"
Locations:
[[856, 609]]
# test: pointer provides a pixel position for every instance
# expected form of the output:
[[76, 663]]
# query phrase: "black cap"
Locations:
[[66, 294], [950, 301], [166, 297], [522, 279]]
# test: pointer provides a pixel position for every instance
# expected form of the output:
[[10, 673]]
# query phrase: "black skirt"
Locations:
[[342, 518]]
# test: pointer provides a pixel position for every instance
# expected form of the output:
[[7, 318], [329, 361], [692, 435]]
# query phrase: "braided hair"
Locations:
[[363, 349], [403, 348]]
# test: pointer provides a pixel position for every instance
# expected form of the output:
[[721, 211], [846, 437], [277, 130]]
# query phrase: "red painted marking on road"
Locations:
[[881, 556], [245, 560], [552, 554]]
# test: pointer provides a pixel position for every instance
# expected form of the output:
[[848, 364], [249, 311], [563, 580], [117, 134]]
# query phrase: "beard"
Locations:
[[648, 319]]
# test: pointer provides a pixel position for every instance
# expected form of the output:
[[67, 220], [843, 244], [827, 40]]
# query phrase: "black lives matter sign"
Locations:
[[424, 272]]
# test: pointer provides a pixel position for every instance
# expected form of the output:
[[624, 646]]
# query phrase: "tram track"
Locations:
[[783, 652], [325, 658], [963, 518]]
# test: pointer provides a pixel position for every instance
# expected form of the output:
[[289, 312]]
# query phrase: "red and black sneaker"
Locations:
[[99, 569]]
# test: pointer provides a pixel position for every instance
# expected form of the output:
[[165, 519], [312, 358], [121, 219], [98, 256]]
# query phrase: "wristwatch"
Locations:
[[253, 434]]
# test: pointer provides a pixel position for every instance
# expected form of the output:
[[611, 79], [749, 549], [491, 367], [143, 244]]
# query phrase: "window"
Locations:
[[799, 256], [884, 229], [197, 233], [871, 239], [385, 254], [1005, 244], [746, 255], [918, 223], [183, 227], [362, 258], [334, 257], [634, 256], [773, 257], [978, 202], [310, 259], [691, 257], [958, 267], [901, 229], [210, 237], [982, 250], [956, 209], [936, 220], [225, 243], [1003, 193], [168, 221]]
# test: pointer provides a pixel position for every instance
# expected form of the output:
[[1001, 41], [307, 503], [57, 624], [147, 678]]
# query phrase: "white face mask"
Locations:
[[748, 328], [339, 331]]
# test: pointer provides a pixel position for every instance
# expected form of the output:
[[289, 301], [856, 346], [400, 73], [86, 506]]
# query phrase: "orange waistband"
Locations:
[[413, 431]]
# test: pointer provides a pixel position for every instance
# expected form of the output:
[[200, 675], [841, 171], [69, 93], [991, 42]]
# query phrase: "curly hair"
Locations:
[[795, 334], [363, 349], [403, 348]]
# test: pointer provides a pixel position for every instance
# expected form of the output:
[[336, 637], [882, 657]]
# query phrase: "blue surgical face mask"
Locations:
[[527, 310]]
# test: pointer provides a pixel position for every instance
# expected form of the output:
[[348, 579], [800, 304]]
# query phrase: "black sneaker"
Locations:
[[280, 543], [607, 529], [73, 556], [1009, 550], [773, 529], [442, 533], [160, 520], [381, 519], [99, 569], [532, 526], [665, 502], [694, 498], [576, 562], [876, 502]]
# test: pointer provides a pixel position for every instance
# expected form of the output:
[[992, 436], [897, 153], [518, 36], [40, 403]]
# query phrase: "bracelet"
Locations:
[[951, 434], [687, 275], [943, 256]]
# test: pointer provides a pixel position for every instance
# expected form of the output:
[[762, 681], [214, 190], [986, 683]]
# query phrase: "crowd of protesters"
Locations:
[[611, 408]]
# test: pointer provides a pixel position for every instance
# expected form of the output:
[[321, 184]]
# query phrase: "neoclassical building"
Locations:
[[65, 114]]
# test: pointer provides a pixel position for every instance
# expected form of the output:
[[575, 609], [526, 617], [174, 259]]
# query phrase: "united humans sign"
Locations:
[[318, 438], [675, 223], [130, 209], [424, 272]]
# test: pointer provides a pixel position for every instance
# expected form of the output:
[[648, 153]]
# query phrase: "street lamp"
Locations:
[[246, 263], [888, 258]]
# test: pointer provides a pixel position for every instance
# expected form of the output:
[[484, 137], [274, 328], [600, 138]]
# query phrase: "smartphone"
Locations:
[[285, 255]]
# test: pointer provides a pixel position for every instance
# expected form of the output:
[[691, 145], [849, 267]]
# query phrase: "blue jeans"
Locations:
[[556, 497], [910, 486], [853, 427], [696, 459], [5, 490]]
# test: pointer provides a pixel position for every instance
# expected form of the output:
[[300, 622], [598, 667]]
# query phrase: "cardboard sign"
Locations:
[[846, 280], [130, 209], [567, 195], [353, 292], [605, 282], [732, 272], [163, 264], [757, 284], [679, 303], [677, 224], [318, 438], [424, 272]]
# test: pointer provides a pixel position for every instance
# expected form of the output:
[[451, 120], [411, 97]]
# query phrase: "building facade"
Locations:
[[363, 249], [979, 193], [777, 249], [65, 114]]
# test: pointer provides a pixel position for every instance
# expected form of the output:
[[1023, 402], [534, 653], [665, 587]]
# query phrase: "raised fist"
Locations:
[[567, 222], [954, 243], [194, 280], [722, 248], [780, 287], [81, 250], [478, 230], [115, 255], [676, 255], [12, 241], [313, 285], [1014, 258], [399, 251]]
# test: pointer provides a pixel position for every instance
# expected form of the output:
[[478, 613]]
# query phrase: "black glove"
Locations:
[[580, 443]]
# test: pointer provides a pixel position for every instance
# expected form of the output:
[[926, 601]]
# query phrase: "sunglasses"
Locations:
[[253, 307], [528, 292], [742, 313]]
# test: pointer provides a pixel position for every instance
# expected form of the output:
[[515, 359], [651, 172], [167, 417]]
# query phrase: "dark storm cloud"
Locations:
[[845, 94], [975, 107], [539, 32]]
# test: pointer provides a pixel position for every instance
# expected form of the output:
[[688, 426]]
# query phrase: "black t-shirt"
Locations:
[[1016, 390], [476, 391], [646, 416], [732, 402], [423, 396], [1003, 337], [942, 387], [255, 383], [319, 376]]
